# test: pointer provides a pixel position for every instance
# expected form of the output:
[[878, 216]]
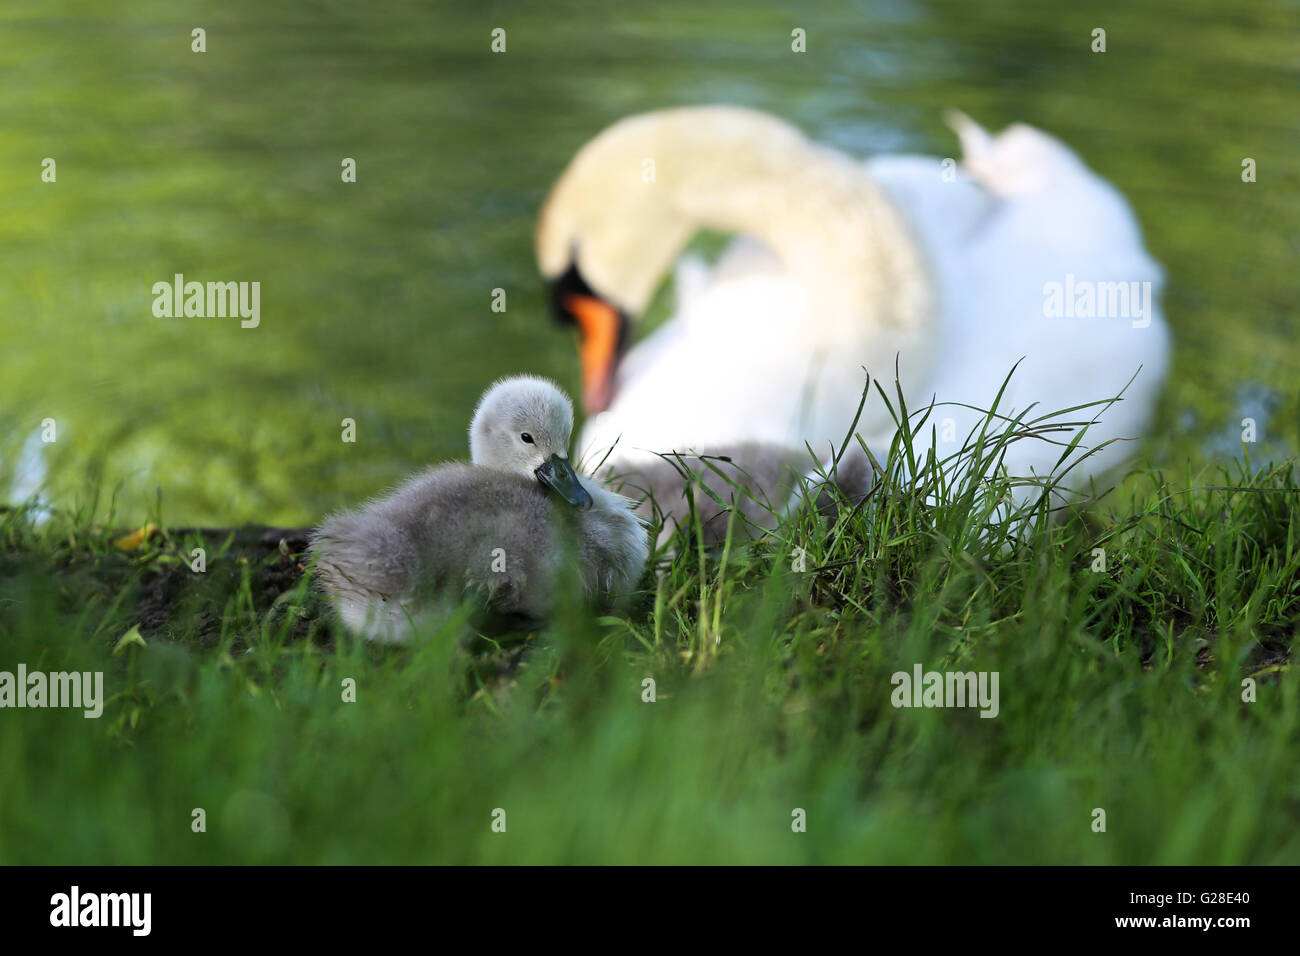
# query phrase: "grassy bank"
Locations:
[[1120, 689]]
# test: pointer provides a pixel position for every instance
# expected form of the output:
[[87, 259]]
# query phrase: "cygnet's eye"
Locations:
[[528, 439]]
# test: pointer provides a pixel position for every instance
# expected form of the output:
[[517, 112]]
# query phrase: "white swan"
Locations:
[[499, 528], [844, 265]]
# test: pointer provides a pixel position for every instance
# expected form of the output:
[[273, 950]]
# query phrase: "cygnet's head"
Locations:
[[522, 425]]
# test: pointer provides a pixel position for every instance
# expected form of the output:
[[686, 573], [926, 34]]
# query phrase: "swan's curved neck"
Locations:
[[868, 289], [823, 217]]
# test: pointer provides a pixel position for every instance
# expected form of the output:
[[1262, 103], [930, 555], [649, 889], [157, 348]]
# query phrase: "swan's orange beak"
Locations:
[[598, 348]]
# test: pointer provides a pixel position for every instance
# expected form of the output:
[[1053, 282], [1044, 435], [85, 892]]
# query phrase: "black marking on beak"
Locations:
[[570, 283], [557, 474]]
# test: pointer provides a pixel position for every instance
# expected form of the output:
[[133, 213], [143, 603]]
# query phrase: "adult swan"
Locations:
[[951, 273]]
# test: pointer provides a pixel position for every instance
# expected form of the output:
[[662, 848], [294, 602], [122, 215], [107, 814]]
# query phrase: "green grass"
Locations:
[[1120, 690]]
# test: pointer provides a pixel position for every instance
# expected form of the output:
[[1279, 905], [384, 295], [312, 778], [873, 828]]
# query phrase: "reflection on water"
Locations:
[[1255, 410], [376, 295]]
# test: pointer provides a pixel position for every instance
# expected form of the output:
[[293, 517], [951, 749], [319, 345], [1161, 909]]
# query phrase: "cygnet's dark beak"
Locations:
[[557, 474]]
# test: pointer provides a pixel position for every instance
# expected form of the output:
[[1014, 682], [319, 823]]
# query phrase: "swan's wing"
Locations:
[[940, 200], [744, 256], [1022, 215]]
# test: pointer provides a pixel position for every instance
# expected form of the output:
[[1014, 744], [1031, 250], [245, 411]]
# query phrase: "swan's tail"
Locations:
[[976, 143], [1018, 161]]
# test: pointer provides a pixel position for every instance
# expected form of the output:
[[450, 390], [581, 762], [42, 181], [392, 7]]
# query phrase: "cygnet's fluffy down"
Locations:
[[511, 528], [753, 479]]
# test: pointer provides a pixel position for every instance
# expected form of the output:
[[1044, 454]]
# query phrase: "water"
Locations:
[[376, 296]]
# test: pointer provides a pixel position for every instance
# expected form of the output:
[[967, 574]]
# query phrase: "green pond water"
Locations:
[[376, 296]]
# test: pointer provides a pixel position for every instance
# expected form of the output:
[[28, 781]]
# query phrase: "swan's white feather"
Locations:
[[744, 357]]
